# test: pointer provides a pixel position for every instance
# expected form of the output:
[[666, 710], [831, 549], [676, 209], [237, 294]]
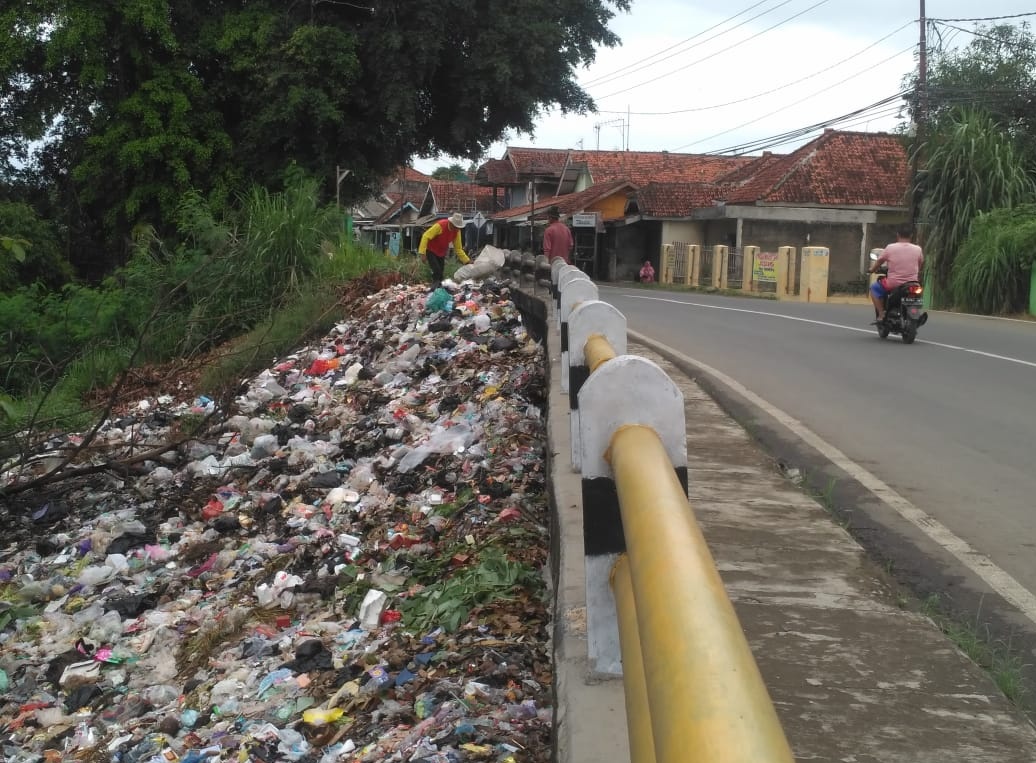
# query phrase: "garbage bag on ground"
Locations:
[[347, 566], [489, 260]]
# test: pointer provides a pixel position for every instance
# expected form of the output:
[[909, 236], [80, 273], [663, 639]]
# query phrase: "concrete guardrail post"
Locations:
[[556, 266], [575, 291], [509, 263], [626, 391], [594, 318], [529, 267], [542, 271], [566, 275]]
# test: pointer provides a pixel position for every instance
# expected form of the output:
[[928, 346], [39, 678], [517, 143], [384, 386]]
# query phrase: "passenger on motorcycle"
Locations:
[[904, 265]]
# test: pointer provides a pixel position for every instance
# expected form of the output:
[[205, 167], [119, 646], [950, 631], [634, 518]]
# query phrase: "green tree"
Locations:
[[995, 72], [972, 165], [138, 101], [454, 172], [30, 249]]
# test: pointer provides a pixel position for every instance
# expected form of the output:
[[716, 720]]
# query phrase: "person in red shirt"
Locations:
[[904, 265], [435, 243], [557, 238]]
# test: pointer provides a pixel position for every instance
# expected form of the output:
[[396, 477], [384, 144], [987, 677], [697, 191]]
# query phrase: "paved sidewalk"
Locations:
[[854, 677]]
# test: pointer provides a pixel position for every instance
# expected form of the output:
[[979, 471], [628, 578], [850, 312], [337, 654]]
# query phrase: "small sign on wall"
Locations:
[[584, 220]]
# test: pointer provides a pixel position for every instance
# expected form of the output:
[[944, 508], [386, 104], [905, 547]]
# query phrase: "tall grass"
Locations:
[[267, 273], [972, 166], [991, 272]]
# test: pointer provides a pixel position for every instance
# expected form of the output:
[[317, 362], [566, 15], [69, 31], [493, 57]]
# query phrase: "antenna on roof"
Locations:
[[622, 129]]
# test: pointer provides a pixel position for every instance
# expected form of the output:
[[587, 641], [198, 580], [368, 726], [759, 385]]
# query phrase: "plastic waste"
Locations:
[[370, 610], [488, 261], [321, 717], [374, 474], [439, 300], [292, 744]]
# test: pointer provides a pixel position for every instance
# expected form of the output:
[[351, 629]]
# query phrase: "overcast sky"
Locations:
[[712, 75]]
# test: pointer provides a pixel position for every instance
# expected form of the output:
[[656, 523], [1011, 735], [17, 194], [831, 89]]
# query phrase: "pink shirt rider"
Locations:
[[904, 260]]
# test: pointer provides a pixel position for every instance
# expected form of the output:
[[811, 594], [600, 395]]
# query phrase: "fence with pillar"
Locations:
[[657, 612], [789, 273]]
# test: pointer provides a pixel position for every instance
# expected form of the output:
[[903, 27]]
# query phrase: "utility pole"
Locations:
[[340, 175], [921, 129]]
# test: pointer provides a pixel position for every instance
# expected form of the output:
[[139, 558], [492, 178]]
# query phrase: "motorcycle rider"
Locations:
[[904, 260]]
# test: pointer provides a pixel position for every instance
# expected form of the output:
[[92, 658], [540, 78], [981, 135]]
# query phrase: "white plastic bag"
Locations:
[[489, 260]]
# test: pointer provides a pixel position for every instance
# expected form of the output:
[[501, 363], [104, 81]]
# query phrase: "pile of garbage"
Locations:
[[350, 567]]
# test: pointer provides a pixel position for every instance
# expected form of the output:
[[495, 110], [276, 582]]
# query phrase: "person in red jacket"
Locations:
[[557, 238], [435, 243]]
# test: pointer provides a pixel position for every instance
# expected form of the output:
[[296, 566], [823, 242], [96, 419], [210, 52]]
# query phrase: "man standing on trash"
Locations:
[[557, 239], [435, 243]]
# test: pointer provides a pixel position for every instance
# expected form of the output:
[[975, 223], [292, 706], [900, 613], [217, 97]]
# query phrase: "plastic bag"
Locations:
[[439, 299], [489, 260]]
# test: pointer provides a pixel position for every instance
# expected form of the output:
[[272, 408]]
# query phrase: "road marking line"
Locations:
[[997, 579], [1009, 359]]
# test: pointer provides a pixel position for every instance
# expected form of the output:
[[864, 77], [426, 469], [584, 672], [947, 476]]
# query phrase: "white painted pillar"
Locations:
[[572, 293], [626, 390], [589, 318]]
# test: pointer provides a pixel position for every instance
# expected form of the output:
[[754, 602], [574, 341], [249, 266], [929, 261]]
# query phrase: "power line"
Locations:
[[990, 18], [866, 113], [878, 107], [801, 100], [706, 58], [767, 92], [620, 73], [976, 33]]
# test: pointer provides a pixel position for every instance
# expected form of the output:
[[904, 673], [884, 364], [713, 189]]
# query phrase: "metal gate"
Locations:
[[735, 267]]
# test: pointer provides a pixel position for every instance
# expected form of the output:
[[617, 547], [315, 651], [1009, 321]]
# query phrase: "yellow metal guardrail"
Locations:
[[693, 690]]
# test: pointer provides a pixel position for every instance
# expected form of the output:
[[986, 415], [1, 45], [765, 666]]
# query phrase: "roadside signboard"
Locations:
[[765, 267]]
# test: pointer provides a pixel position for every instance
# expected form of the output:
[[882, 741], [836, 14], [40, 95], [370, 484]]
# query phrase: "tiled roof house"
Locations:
[[520, 169], [446, 196], [585, 168], [843, 190]]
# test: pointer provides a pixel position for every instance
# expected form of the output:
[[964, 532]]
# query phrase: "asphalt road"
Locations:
[[948, 422]]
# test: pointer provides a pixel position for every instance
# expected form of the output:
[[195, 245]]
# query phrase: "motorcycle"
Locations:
[[904, 308]]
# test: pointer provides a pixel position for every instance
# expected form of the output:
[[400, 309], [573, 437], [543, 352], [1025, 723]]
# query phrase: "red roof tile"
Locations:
[[451, 196], [643, 167], [570, 203], [836, 169], [412, 176], [748, 170], [675, 199], [497, 172], [537, 161]]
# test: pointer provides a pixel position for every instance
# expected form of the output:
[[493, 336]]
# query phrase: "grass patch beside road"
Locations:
[[1003, 663], [998, 658]]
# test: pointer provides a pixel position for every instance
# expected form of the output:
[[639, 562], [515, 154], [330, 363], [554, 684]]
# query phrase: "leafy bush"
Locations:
[[991, 272], [266, 275], [30, 249]]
